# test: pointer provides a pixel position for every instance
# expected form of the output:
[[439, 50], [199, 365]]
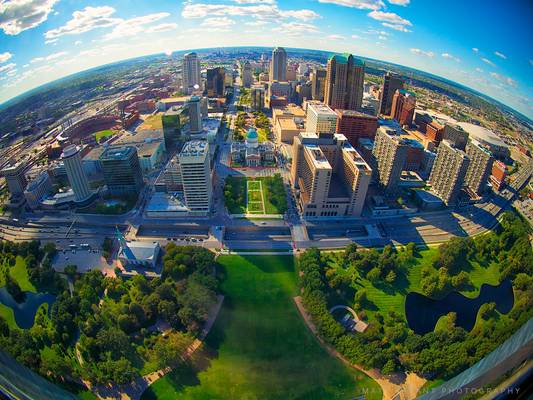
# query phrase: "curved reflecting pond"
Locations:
[[423, 312], [25, 311]]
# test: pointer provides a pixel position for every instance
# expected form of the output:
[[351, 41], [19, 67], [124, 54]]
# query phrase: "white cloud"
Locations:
[[389, 17], [84, 21], [77, 42], [256, 23], [134, 26], [336, 37], [505, 79], [7, 67], [356, 37], [5, 56], [19, 15], [450, 57], [422, 52], [381, 37], [475, 49], [479, 70], [488, 62], [400, 2], [359, 4], [50, 57], [500, 55], [258, 11], [296, 28], [218, 22], [51, 41], [397, 27], [162, 27], [255, 1]]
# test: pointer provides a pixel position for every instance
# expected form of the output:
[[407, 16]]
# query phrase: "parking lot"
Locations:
[[85, 259]]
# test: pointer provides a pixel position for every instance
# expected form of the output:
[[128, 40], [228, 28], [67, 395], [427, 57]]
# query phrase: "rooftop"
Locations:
[[194, 148], [152, 122], [322, 109], [482, 134], [343, 59], [117, 153], [353, 113]]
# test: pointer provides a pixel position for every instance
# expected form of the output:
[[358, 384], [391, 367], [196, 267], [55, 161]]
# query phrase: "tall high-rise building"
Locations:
[[479, 168], [278, 65], [344, 82], [448, 172], [330, 175], [321, 120], [318, 82], [196, 176], [258, 97], [403, 107], [215, 82], [246, 74], [75, 173], [455, 134], [191, 72], [390, 152], [195, 114], [356, 125], [391, 83], [15, 178], [37, 189], [121, 169]]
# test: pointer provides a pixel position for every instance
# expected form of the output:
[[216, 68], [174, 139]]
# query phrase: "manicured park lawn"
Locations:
[[19, 273], [259, 347], [384, 297], [243, 195]]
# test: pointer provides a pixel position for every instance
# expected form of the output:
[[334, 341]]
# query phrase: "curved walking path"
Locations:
[[396, 386], [135, 389]]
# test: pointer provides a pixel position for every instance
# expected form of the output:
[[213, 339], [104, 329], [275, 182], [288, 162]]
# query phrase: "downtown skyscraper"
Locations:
[[278, 65], [344, 82]]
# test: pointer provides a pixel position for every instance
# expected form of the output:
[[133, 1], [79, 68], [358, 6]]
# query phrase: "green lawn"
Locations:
[[237, 190], [8, 314], [386, 298], [99, 135], [19, 273], [259, 347]]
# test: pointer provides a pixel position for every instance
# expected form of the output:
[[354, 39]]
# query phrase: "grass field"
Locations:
[[386, 298], [19, 273], [252, 196], [9, 316], [259, 347], [105, 133]]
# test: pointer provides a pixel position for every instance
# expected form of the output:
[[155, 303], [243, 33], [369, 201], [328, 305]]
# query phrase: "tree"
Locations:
[[71, 270], [374, 275], [391, 277], [361, 296], [170, 351], [54, 364]]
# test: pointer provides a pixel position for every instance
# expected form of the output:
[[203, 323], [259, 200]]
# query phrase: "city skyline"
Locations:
[[43, 40]]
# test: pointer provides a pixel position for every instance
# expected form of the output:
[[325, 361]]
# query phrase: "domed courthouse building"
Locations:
[[252, 153]]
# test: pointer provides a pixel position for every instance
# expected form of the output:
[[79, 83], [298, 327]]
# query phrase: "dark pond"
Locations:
[[423, 313], [25, 311]]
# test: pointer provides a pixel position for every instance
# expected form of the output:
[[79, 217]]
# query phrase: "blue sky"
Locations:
[[486, 45]]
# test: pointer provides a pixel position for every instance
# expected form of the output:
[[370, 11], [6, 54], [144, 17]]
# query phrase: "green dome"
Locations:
[[252, 134]]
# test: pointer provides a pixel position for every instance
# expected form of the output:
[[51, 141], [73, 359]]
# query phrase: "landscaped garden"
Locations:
[[264, 195], [105, 331], [376, 283], [111, 205], [259, 347]]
